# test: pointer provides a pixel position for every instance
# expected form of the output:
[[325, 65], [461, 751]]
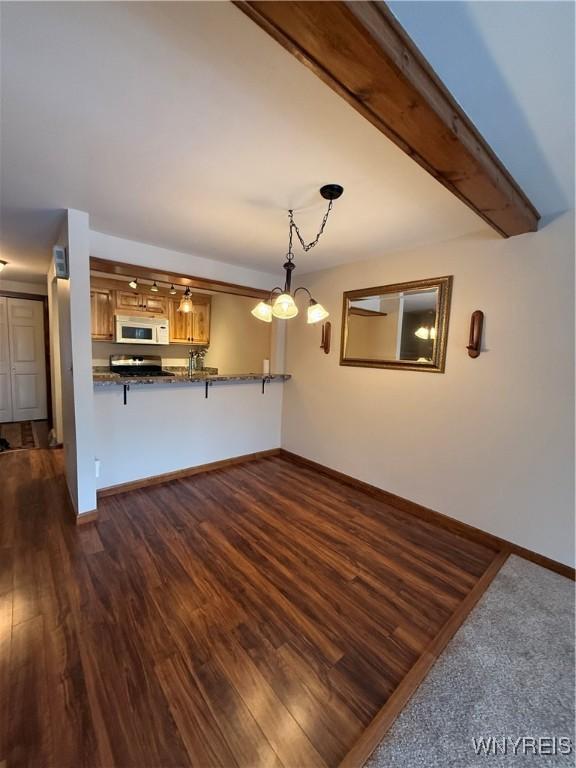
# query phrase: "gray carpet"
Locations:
[[509, 671]]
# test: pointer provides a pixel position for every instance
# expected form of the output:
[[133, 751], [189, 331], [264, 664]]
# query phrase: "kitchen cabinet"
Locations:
[[102, 315], [190, 327], [133, 302]]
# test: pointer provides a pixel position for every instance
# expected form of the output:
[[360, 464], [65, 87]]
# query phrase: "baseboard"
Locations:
[[437, 518], [385, 717], [78, 519], [87, 517], [167, 477]]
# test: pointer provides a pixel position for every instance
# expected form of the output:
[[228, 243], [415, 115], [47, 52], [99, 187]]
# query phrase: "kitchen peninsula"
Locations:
[[156, 415]]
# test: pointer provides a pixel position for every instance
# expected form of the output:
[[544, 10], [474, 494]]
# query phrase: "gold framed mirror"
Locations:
[[402, 326]]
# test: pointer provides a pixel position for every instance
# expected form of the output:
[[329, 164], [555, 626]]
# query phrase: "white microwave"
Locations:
[[142, 330]]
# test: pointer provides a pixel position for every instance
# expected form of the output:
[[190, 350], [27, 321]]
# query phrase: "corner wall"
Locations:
[[490, 442], [70, 322]]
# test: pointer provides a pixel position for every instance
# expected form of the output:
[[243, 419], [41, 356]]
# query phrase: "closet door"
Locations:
[[5, 376], [27, 360]]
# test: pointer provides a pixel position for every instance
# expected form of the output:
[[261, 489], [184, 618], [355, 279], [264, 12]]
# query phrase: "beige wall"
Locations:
[[374, 337], [490, 442], [238, 342], [20, 287]]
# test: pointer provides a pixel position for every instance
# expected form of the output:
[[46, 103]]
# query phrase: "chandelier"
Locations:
[[284, 305]]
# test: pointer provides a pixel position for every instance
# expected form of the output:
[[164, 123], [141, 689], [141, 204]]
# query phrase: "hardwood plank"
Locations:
[[327, 722], [29, 740], [239, 728], [5, 662], [202, 738], [258, 614], [378, 728], [439, 523], [280, 728]]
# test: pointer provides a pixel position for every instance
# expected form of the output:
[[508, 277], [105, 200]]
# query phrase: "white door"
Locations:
[[5, 376], [27, 359]]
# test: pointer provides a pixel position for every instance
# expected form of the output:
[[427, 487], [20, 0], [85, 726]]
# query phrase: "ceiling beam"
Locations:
[[361, 51]]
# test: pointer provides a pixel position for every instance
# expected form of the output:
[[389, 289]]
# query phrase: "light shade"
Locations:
[[186, 304], [2, 264], [316, 313], [425, 333], [284, 307], [263, 311], [133, 283], [154, 288]]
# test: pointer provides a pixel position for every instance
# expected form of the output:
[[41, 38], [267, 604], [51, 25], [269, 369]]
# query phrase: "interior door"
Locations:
[[27, 359], [5, 376]]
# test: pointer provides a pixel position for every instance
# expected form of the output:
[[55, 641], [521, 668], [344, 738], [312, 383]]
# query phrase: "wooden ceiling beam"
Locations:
[[361, 51]]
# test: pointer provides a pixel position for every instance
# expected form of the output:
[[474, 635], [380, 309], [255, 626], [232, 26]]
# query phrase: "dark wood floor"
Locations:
[[259, 615]]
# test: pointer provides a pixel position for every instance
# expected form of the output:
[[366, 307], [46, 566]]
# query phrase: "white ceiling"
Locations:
[[184, 125]]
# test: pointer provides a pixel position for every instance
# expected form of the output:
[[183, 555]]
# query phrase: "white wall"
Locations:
[[490, 442], [166, 427], [72, 298], [132, 252]]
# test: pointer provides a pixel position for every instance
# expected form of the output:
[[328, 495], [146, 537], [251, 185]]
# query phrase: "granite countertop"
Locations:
[[102, 379]]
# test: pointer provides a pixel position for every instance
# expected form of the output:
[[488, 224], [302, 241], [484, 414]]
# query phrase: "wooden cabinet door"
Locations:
[[154, 304], [201, 323], [180, 324], [102, 317], [128, 301]]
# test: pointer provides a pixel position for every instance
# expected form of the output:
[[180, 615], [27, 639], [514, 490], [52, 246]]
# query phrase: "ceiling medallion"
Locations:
[[284, 306]]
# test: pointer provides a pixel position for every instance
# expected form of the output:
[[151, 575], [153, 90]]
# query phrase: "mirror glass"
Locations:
[[400, 326]]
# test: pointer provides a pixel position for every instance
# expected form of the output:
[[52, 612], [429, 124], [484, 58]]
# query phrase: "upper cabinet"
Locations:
[[201, 321], [190, 327], [101, 307], [185, 328], [134, 302]]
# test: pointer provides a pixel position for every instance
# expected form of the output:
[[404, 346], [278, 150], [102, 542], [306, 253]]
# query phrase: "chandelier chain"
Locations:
[[293, 226]]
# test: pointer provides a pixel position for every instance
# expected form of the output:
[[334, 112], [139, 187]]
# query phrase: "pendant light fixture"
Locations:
[[154, 288], [186, 304], [172, 290], [133, 283], [284, 306]]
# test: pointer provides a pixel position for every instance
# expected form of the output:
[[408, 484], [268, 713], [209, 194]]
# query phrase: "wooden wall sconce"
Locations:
[[475, 340], [326, 334]]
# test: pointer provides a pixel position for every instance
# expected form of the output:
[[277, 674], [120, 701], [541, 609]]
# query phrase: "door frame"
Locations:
[[48, 383]]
